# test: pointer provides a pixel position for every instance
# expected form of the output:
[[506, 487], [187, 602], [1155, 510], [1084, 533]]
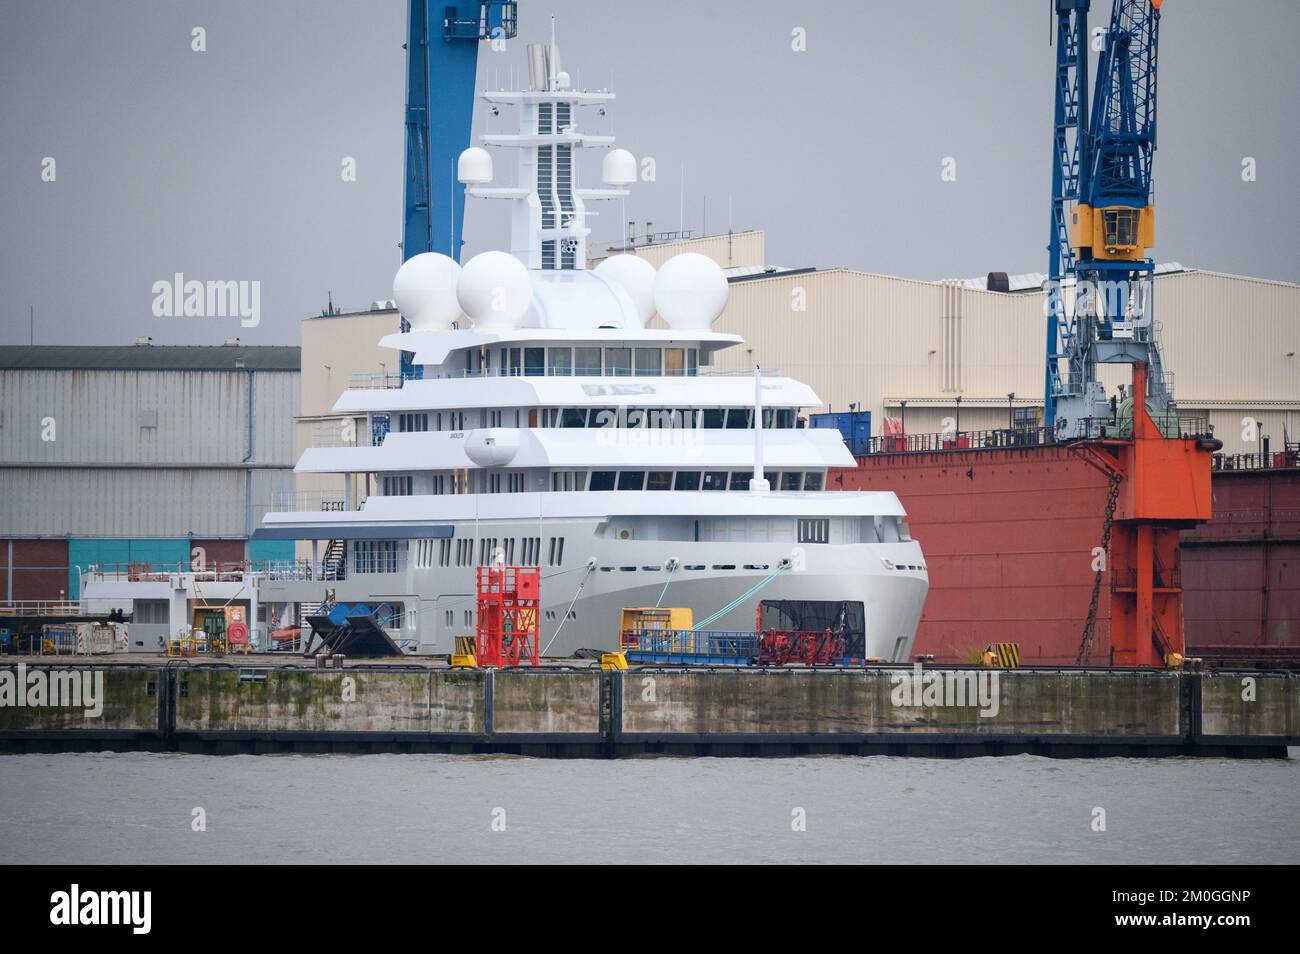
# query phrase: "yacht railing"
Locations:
[[307, 501], [377, 381], [1172, 424], [339, 432], [365, 380], [739, 372]]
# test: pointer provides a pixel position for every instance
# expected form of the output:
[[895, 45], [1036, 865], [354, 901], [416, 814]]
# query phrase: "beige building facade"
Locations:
[[340, 351], [904, 348]]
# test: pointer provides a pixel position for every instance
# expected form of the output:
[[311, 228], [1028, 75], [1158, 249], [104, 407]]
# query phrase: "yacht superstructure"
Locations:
[[554, 415]]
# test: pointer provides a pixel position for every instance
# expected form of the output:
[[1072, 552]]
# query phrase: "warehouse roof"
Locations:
[[1034, 281], [150, 357]]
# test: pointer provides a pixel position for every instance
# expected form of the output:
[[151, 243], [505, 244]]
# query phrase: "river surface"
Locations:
[[141, 808]]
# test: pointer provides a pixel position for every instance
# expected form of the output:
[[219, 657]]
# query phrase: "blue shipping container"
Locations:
[[854, 427]]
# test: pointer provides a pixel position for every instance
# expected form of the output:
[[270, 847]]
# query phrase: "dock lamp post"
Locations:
[[958, 423], [1011, 414]]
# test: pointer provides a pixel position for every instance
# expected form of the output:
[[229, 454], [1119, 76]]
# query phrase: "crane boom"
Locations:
[[441, 63]]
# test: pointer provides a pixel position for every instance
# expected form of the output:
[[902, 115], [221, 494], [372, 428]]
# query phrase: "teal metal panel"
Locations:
[[83, 553], [271, 551]]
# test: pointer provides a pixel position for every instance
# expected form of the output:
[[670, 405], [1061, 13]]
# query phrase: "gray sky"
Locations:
[[225, 165]]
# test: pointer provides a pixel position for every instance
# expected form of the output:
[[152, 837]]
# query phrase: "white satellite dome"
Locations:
[[618, 168], [690, 292], [494, 290], [474, 167], [425, 291], [635, 276], [492, 446]]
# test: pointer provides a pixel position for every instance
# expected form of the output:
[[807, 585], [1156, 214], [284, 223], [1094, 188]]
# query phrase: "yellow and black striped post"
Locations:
[[1002, 656]]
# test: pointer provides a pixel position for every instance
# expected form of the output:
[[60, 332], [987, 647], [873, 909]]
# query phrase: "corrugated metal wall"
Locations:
[[146, 417], [870, 339], [1227, 338], [134, 502], [142, 454]]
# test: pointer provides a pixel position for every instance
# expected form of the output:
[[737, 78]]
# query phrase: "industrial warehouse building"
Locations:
[[120, 455], [908, 349]]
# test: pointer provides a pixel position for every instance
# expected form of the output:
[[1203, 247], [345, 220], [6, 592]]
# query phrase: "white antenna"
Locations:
[[729, 256], [681, 204], [758, 483]]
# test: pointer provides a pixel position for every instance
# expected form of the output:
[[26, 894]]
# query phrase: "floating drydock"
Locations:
[[1010, 532], [587, 712]]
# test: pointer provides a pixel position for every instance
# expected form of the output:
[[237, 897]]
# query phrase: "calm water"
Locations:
[[138, 807]]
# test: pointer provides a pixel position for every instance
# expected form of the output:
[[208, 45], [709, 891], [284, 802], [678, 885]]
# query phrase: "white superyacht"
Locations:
[[569, 418]]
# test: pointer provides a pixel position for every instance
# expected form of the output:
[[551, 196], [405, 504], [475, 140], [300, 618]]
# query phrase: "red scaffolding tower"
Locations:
[[507, 615]]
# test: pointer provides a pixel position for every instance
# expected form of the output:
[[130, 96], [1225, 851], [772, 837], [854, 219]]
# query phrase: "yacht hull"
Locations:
[[887, 579]]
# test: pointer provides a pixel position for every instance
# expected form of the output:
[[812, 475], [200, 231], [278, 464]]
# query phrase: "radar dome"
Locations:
[[690, 292], [635, 276], [492, 446], [618, 168], [474, 167], [494, 290], [425, 291]]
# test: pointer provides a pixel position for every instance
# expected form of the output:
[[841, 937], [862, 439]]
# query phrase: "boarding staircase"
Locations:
[[335, 564]]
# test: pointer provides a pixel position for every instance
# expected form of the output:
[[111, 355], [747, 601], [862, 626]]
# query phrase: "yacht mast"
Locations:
[[758, 483]]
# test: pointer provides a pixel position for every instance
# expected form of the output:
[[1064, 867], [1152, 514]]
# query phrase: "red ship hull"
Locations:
[[1009, 535]]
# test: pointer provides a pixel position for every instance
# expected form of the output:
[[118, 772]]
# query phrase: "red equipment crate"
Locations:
[[507, 615]]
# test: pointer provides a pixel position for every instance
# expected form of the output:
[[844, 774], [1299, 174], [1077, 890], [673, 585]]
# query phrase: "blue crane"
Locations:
[[441, 63], [1102, 216]]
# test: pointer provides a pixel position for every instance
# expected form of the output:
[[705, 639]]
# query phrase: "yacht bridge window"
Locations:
[[588, 361], [664, 417]]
